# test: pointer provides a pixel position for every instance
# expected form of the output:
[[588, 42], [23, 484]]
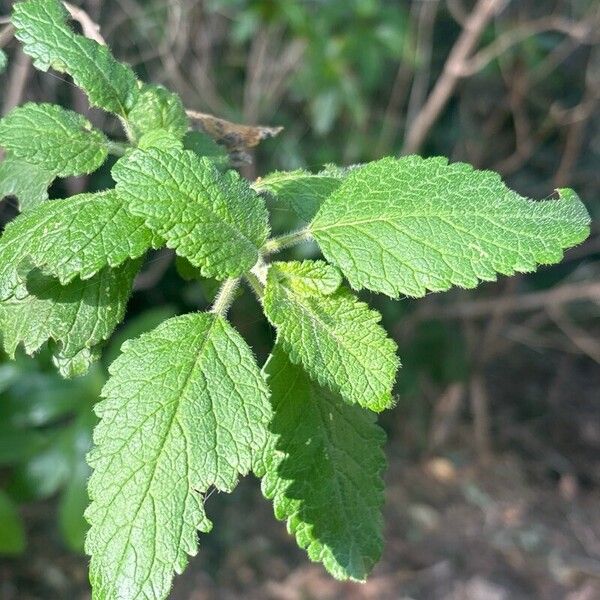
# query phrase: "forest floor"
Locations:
[[524, 525]]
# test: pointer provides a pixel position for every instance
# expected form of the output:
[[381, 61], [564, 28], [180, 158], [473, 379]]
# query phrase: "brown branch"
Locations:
[[6, 35], [17, 81], [578, 336], [442, 91], [90, 28], [581, 31], [476, 309]]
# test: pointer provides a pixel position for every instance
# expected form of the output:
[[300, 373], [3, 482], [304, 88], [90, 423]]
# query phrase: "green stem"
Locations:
[[284, 241], [225, 296], [255, 283], [117, 148]]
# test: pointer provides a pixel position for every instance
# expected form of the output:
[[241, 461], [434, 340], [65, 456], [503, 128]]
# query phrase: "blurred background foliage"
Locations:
[[498, 396]]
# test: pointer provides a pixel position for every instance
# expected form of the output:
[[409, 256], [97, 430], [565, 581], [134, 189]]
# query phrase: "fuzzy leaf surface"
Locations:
[[26, 182], [186, 408], [156, 108], [337, 339], [76, 236], [214, 220], [56, 139], [322, 469], [42, 28], [405, 226], [302, 191], [76, 318]]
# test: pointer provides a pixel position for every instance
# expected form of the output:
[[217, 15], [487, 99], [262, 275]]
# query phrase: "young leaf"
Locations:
[[76, 236], [302, 191], [161, 139], [58, 140], [336, 338], [157, 108], [26, 182], [41, 26], [214, 220], [77, 317], [322, 468], [186, 408], [405, 226]]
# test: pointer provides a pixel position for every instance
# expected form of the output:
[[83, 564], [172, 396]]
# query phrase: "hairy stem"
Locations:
[[284, 241], [225, 296], [255, 283], [117, 148]]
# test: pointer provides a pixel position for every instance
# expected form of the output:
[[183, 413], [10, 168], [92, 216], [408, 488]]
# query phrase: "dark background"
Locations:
[[494, 445]]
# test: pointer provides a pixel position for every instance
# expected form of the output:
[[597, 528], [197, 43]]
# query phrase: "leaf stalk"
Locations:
[[285, 241], [225, 296]]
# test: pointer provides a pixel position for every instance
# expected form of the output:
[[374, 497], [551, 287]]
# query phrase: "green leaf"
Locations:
[[302, 191], [214, 220], [12, 531], [159, 138], [77, 317], [58, 140], [76, 236], [323, 470], [41, 25], [411, 225], [156, 108], [185, 409], [26, 182], [336, 338]]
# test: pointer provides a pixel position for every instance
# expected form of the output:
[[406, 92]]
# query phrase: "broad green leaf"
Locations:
[[323, 470], [214, 220], [336, 338], [309, 277], [76, 236], [41, 26], [12, 531], [159, 138], [53, 138], [405, 226], [302, 191], [26, 182], [185, 409], [77, 317], [156, 108]]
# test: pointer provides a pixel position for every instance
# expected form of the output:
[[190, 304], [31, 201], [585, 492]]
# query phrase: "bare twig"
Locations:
[[476, 309], [17, 81], [424, 50], [580, 31], [481, 419], [90, 28], [579, 337], [445, 415], [6, 35], [473, 28]]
